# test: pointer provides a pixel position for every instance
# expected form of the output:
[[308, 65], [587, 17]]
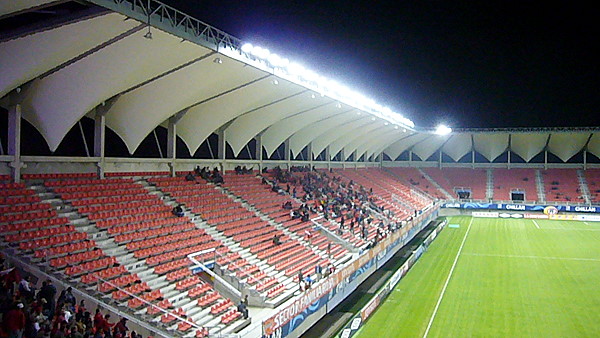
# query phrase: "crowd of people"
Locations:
[[349, 203], [27, 312]]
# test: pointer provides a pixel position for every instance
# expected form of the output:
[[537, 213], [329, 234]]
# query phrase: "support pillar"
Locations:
[[440, 159], [258, 151], [473, 159], [222, 147], [99, 142], [343, 158], [508, 159], [309, 154], [584, 159], [545, 159], [328, 157], [14, 141], [172, 146], [286, 152]]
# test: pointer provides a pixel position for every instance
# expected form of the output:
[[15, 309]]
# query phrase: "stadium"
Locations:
[[171, 179]]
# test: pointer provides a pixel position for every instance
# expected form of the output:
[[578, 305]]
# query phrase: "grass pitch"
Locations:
[[499, 278]]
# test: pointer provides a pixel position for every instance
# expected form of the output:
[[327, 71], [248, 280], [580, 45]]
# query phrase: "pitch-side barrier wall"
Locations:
[[295, 318], [361, 317]]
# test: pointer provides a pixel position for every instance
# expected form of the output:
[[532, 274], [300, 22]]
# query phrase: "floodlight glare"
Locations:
[[247, 48], [443, 130]]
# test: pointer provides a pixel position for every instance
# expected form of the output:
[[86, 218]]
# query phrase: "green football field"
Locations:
[[499, 278]]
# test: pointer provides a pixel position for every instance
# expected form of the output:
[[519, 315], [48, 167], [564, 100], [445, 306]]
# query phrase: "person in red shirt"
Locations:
[[15, 321]]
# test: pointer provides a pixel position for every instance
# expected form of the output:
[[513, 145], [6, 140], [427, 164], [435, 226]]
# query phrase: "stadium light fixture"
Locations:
[[247, 48], [322, 85], [443, 130]]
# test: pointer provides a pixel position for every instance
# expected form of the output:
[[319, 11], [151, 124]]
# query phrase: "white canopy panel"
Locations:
[[565, 145], [458, 145], [528, 145], [491, 145]]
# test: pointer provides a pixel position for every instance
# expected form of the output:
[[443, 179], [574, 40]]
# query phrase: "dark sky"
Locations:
[[467, 64]]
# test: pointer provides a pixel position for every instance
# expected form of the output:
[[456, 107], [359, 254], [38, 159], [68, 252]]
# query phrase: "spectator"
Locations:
[[15, 321], [178, 211]]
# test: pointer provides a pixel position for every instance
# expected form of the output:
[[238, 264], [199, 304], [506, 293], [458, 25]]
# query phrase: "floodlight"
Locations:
[[295, 69], [247, 48], [443, 130], [274, 60]]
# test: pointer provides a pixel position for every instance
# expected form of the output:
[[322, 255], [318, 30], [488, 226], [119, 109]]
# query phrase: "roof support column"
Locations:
[[172, 140], [473, 158], [14, 141], [100, 133], [222, 147], [99, 142], [309, 154], [328, 157], [508, 164], [286, 152], [584, 159], [258, 154], [440, 159], [343, 157], [545, 159]]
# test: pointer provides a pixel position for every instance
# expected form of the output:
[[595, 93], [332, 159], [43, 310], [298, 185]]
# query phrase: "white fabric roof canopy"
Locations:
[[67, 71]]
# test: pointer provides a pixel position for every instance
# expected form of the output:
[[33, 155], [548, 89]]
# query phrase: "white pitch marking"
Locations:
[[437, 305], [586, 223], [536, 257], [536, 225]]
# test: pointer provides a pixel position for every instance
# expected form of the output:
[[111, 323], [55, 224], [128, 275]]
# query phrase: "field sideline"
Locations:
[[499, 278]]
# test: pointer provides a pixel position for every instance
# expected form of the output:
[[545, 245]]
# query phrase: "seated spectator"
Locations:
[[276, 239], [190, 177], [178, 211]]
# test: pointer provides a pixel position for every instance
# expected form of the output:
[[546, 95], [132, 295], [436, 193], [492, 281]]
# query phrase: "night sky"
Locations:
[[467, 64]]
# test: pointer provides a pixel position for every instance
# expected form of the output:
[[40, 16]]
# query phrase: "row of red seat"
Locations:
[[16, 192], [221, 307], [81, 182], [230, 317], [199, 290], [248, 231], [128, 212], [143, 253], [37, 224], [275, 291], [112, 199], [52, 241], [27, 216], [96, 187], [127, 207], [166, 267], [108, 193], [181, 252], [16, 200], [57, 176], [187, 283], [107, 223], [266, 284], [259, 243], [278, 255], [39, 234], [137, 173], [90, 266], [9, 209], [167, 238], [118, 282], [103, 274], [134, 289], [4, 186], [240, 222], [161, 222], [63, 249], [246, 271], [208, 299], [178, 274], [76, 258]]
